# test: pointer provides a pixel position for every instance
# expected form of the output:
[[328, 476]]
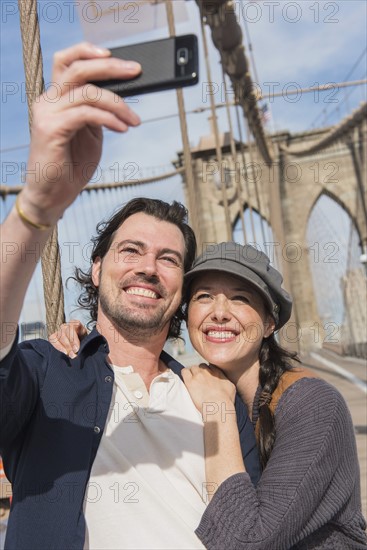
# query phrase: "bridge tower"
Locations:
[[284, 195]]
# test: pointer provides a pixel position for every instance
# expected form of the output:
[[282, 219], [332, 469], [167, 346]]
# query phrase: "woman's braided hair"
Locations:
[[274, 361]]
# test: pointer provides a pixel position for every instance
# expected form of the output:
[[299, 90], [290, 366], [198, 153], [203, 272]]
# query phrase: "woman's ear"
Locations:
[[269, 326], [96, 271]]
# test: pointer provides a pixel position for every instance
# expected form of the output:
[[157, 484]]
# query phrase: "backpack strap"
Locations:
[[286, 380]]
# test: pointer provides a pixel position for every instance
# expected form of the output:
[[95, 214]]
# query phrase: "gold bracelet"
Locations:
[[26, 220]]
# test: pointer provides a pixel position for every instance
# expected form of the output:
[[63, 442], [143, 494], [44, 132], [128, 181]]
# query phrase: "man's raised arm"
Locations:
[[66, 135]]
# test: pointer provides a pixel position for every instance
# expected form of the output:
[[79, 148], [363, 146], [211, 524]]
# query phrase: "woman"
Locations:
[[308, 495]]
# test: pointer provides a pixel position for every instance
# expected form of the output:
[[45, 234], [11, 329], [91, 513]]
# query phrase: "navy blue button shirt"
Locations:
[[53, 411]]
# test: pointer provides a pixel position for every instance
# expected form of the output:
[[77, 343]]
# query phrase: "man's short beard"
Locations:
[[135, 320]]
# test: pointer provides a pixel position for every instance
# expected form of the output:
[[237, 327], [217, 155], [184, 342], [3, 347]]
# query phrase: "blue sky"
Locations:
[[295, 44]]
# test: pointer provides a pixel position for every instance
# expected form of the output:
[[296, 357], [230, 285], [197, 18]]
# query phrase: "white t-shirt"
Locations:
[[147, 484]]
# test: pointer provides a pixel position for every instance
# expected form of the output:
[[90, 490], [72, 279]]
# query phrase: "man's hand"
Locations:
[[66, 140], [67, 338], [66, 145]]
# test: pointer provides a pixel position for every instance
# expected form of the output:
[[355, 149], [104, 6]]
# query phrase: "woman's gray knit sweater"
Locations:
[[309, 493]]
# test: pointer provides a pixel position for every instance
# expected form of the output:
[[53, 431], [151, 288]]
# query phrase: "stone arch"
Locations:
[[326, 192], [337, 273], [259, 219]]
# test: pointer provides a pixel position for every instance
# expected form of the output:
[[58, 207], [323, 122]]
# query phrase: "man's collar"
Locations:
[[95, 338]]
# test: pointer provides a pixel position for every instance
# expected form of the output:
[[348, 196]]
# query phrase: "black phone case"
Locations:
[[160, 70]]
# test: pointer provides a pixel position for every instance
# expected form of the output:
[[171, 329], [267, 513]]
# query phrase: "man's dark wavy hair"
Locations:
[[174, 213]]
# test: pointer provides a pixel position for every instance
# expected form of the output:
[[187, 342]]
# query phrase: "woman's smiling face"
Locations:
[[227, 321]]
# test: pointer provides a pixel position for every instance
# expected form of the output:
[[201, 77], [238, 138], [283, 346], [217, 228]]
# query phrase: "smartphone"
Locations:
[[166, 64]]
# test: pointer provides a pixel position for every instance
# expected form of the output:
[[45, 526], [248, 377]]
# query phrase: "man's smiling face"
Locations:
[[140, 277]]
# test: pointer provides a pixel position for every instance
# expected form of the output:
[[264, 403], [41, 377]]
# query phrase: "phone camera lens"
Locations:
[[182, 56]]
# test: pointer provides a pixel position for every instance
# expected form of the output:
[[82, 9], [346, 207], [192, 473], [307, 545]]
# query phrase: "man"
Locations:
[[105, 450]]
